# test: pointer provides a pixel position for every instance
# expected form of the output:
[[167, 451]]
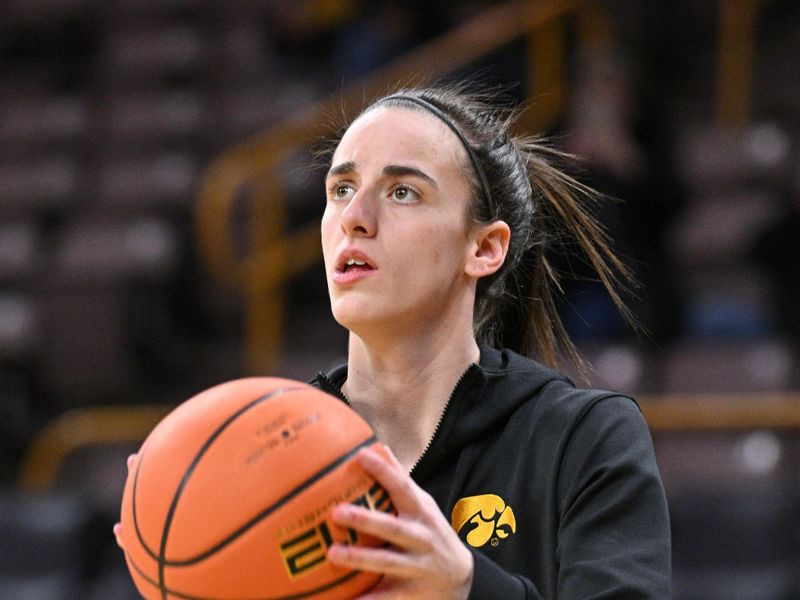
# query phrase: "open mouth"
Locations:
[[352, 264], [353, 260]]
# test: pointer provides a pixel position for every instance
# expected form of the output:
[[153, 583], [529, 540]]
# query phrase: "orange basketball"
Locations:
[[230, 496]]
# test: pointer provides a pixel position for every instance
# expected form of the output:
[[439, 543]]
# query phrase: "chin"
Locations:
[[356, 319], [348, 314]]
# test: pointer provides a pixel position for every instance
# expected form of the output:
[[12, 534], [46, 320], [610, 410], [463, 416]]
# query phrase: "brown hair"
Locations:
[[522, 181]]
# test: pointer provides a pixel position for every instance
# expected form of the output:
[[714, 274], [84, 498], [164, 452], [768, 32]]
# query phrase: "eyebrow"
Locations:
[[392, 170], [401, 170], [341, 169]]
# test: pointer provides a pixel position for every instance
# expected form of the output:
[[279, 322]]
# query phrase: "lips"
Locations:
[[352, 265], [351, 259]]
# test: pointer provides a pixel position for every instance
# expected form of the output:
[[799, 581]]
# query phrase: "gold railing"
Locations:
[[264, 269], [274, 255], [736, 47], [81, 428], [95, 427], [722, 412]]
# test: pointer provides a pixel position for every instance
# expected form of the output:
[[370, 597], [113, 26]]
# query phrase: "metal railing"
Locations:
[[251, 169], [78, 429], [265, 268], [736, 48], [274, 254]]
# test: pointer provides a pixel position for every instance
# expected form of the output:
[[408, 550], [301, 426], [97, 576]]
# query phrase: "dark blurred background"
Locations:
[[158, 208]]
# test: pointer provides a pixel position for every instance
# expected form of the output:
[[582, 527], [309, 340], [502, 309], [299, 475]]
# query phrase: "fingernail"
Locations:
[[117, 530], [336, 551], [341, 511], [368, 454], [131, 460]]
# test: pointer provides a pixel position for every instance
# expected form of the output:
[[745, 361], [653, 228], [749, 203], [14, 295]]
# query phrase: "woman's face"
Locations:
[[394, 232]]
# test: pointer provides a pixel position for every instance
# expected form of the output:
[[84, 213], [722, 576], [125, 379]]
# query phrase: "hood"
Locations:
[[507, 380]]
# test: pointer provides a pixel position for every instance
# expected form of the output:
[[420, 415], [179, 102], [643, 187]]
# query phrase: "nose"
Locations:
[[358, 217]]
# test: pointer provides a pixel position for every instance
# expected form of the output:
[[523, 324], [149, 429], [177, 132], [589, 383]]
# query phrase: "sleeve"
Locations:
[[491, 582], [614, 536]]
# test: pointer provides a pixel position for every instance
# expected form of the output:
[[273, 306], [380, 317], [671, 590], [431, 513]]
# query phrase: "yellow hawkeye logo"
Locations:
[[491, 519]]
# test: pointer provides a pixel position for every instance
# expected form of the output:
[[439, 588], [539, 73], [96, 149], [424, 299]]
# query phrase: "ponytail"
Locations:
[[522, 181], [563, 222]]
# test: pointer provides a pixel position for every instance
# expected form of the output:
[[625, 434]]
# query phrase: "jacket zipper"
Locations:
[[333, 389], [337, 391], [441, 419]]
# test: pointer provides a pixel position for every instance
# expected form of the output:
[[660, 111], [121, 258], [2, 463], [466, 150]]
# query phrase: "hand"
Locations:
[[118, 526], [425, 559]]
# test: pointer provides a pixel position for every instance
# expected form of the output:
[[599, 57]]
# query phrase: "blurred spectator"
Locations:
[[627, 158], [383, 31]]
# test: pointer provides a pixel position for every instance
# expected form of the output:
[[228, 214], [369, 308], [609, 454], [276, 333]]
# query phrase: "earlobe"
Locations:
[[488, 250]]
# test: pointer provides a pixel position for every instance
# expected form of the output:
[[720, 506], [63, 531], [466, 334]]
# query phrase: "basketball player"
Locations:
[[509, 482]]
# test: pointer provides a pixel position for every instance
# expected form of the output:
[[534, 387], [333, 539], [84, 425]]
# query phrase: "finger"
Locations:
[[392, 477], [118, 534], [374, 560], [406, 534], [393, 458], [131, 461]]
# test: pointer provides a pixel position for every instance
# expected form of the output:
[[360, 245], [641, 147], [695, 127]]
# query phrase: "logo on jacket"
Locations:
[[484, 518]]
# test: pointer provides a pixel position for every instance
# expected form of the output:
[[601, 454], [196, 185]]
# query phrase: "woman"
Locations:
[[509, 482]]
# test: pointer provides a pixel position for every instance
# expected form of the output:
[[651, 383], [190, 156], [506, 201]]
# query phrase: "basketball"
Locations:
[[230, 495]]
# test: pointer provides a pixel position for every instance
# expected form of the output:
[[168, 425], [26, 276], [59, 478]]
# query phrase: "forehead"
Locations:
[[401, 135]]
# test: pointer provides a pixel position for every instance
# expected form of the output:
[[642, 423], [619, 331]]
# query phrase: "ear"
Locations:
[[488, 249]]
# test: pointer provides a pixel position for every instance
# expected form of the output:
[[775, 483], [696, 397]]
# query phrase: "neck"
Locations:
[[402, 387]]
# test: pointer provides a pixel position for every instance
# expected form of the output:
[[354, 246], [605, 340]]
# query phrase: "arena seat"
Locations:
[[728, 365], [148, 183], [21, 249], [720, 229], [40, 587], [47, 182], [102, 248], [43, 121], [155, 117], [43, 543], [149, 53], [716, 158], [619, 367], [735, 543], [20, 326]]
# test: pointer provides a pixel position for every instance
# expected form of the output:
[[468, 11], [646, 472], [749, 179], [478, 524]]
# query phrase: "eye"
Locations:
[[340, 191], [404, 194]]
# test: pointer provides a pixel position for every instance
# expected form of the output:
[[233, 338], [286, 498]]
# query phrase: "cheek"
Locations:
[[445, 251], [327, 233]]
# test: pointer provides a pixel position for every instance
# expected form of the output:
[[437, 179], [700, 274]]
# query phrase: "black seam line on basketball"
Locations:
[[136, 528], [305, 594], [190, 470], [272, 508]]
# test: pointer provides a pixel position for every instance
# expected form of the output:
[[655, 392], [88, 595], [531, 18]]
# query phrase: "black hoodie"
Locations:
[[555, 489]]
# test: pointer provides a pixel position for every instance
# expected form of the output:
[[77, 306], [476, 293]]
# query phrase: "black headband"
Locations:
[[437, 112]]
